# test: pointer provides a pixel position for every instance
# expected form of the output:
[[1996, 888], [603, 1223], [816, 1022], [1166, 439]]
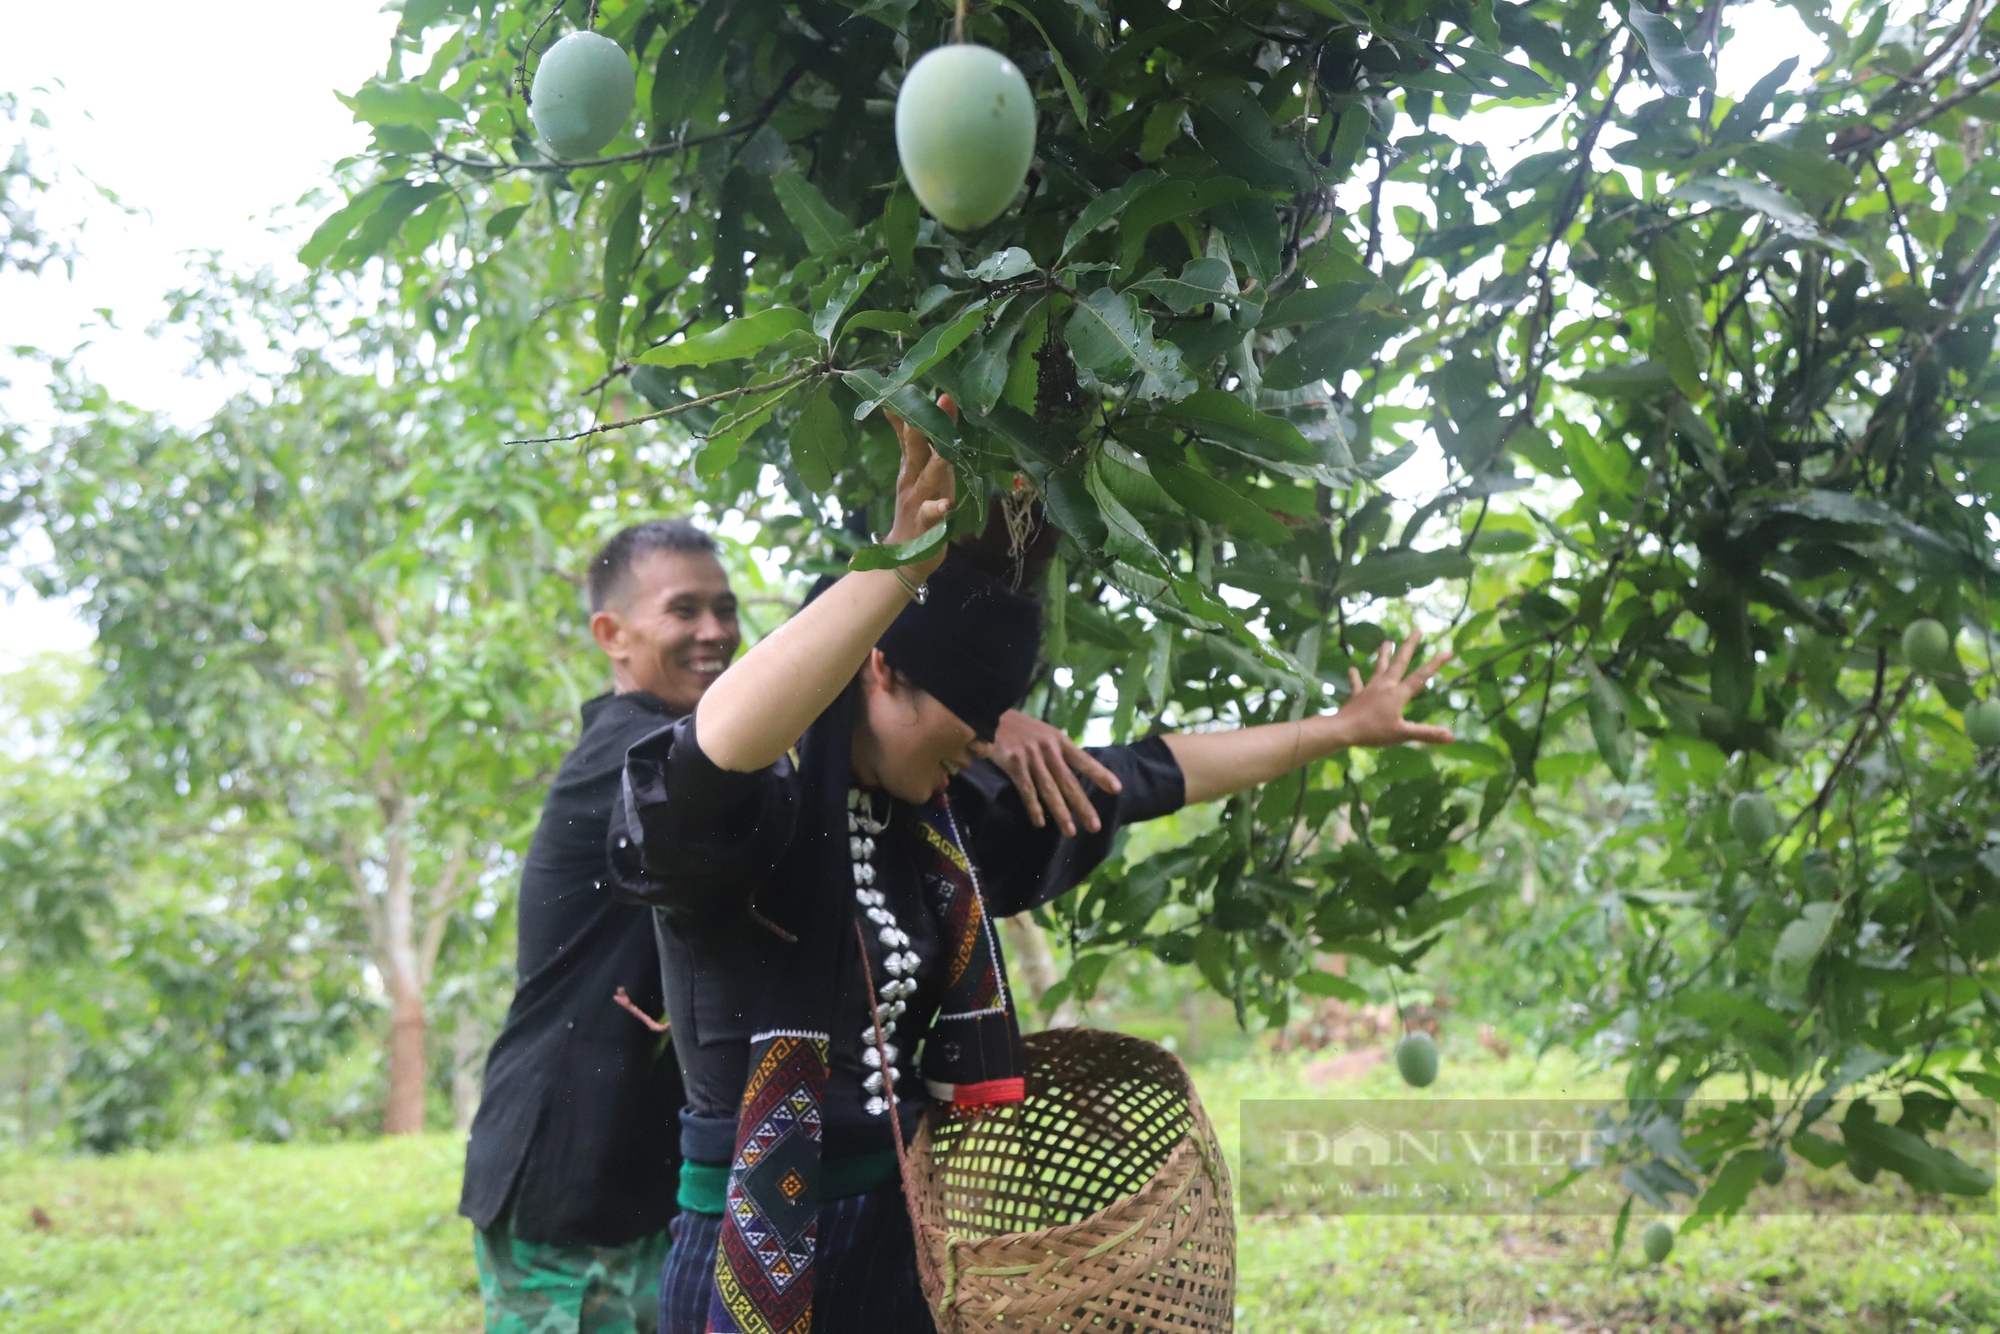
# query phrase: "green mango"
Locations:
[[1658, 1242], [1774, 1167], [1982, 723], [1927, 647], [582, 94], [965, 129], [1417, 1060]]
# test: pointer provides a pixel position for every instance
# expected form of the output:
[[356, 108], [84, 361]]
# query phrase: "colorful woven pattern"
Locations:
[[764, 1261], [973, 1056]]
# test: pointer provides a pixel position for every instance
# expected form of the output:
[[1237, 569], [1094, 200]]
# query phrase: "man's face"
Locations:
[[672, 628]]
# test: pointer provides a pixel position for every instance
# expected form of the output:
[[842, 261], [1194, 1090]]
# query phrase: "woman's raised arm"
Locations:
[[1216, 764], [762, 705]]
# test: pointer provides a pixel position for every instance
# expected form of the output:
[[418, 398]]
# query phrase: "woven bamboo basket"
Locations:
[[1099, 1203]]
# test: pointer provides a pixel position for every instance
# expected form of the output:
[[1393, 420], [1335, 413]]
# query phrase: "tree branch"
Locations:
[[678, 408]]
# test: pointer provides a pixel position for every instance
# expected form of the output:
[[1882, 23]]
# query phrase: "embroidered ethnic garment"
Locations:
[[770, 1220], [974, 1056], [764, 1261]]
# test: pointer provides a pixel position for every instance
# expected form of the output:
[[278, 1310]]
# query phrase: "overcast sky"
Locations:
[[207, 117], [210, 118]]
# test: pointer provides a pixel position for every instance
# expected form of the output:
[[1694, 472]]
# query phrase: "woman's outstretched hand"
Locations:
[[1215, 764], [1373, 714], [925, 490]]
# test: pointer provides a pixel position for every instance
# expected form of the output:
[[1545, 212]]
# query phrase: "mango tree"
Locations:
[[1710, 375]]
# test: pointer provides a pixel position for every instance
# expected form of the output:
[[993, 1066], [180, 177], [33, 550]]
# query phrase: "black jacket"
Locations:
[[713, 841], [577, 1121]]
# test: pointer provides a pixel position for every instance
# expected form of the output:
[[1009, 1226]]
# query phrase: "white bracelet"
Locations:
[[918, 592]]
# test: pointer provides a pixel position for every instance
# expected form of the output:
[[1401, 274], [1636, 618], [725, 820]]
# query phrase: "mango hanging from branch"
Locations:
[[965, 129], [582, 95]]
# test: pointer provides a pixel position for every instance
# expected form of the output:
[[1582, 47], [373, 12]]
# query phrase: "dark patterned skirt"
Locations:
[[865, 1279]]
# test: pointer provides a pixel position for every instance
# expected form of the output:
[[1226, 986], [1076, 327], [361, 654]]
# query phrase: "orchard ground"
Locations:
[[363, 1236]]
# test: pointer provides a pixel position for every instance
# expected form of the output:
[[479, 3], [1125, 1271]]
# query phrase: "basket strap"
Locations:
[[926, 1268]]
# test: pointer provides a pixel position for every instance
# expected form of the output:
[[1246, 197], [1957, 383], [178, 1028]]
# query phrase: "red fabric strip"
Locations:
[[989, 1093]]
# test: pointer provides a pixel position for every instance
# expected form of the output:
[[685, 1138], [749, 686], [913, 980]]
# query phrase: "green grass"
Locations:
[[364, 1237], [343, 1237]]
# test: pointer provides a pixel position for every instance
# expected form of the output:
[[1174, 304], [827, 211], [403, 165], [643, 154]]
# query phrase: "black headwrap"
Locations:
[[971, 643]]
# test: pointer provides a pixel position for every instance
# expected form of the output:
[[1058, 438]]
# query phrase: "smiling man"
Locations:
[[571, 1170]]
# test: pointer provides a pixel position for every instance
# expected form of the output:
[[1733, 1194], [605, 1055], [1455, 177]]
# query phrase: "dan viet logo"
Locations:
[[1586, 1156], [1364, 1145]]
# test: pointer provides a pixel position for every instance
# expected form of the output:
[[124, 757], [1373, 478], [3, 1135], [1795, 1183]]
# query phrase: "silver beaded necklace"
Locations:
[[901, 965]]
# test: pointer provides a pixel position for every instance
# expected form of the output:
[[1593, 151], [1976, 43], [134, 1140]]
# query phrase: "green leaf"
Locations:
[[1681, 73], [381, 226], [1798, 945], [912, 405], [1680, 340], [882, 556], [843, 298], [690, 62], [1113, 338], [1125, 532], [340, 224], [1316, 983], [1637, 379], [739, 338], [1350, 136], [1071, 506], [1105, 207], [1206, 498], [1395, 573], [1818, 1150], [820, 439], [1610, 721], [1323, 352], [900, 323], [1227, 419], [1003, 265], [899, 229], [1163, 201], [1730, 1189], [1237, 132], [1251, 225], [740, 420], [408, 139], [1798, 169], [932, 348], [1928, 1167], [1202, 282], [380, 103], [1735, 192], [621, 251], [1164, 124], [825, 230], [1743, 118], [501, 225], [1075, 95], [1313, 305]]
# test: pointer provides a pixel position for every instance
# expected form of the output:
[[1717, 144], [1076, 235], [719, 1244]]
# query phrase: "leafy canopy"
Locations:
[[1712, 380]]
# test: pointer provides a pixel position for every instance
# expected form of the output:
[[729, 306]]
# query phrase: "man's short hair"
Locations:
[[612, 566]]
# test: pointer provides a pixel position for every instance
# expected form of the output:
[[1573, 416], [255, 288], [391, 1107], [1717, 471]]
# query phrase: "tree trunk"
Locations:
[[402, 974], [408, 1029]]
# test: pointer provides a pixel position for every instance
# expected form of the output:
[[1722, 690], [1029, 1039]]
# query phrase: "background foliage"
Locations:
[[1712, 381]]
